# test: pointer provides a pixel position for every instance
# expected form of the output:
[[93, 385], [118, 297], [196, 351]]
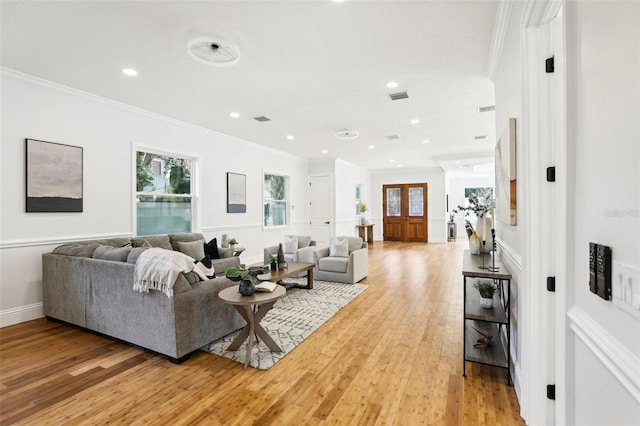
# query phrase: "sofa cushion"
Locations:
[[290, 245], [117, 254], [159, 241], [194, 249], [339, 247], [211, 249], [333, 264], [77, 249], [185, 237], [134, 253]]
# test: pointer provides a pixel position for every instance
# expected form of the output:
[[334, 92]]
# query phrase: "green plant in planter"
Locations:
[[485, 288], [236, 273], [233, 242]]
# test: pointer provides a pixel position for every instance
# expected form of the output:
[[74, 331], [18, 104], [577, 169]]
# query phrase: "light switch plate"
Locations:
[[626, 288]]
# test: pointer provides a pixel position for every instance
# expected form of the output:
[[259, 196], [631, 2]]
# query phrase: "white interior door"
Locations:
[[321, 208]]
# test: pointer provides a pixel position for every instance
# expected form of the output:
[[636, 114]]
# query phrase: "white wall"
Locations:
[[347, 176], [436, 199], [603, 101], [107, 131], [508, 88]]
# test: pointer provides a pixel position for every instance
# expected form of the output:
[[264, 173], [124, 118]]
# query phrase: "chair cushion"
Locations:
[[333, 264], [339, 247], [355, 243], [290, 245], [304, 240]]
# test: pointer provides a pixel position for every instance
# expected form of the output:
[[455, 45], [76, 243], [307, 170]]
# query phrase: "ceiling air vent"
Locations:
[[346, 134], [479, 138], [487, 108], [400, 95], [262, 119], [393, 137]]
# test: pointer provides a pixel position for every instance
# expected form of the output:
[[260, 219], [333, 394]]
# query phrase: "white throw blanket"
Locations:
[[158, 269]]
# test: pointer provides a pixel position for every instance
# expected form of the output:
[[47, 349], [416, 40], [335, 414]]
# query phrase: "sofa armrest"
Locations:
[[225, 252], [358, 264], [312, 254]]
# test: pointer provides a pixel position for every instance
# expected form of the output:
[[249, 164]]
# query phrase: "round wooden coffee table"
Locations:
[[245, 305]]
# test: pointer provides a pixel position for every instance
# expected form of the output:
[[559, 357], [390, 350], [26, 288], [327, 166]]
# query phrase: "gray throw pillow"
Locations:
[[116, 254], [135, 253], [160, 241], [194, 249]]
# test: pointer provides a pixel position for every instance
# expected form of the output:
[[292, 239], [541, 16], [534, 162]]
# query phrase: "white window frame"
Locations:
[[287, 201], [193, 190]]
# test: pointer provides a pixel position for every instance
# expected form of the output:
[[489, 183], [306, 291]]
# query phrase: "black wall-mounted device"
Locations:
[[600, 270]]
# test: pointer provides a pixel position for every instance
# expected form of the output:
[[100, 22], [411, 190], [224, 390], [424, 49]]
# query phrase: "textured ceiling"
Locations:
[[313, 67]]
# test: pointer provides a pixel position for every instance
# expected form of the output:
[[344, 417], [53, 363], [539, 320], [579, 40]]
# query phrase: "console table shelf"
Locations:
[[495, 320]]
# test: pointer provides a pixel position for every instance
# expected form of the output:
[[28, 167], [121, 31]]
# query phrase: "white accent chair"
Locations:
[[347, 267], [290, 253]]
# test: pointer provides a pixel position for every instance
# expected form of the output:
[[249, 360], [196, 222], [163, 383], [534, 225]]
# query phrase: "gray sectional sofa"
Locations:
[[90, 284]]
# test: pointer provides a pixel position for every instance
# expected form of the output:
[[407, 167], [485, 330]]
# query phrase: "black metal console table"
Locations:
[[490, 320]]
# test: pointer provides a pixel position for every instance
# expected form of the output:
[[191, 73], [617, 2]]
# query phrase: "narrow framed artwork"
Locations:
[[236, 193], [506, 175], [53, 177]]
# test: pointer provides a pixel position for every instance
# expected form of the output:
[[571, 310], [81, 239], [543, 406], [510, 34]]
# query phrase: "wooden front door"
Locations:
[[405, 212]]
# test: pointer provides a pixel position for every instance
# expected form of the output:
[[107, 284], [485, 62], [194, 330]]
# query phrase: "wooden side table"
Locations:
[[245, 305], [366, 232]]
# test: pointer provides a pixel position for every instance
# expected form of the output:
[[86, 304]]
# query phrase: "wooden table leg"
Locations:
[[253, 327]]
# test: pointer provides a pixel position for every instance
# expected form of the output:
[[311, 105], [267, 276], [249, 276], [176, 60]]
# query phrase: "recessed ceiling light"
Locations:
[[392, 84], [391, 160], [371, 146], [130, 72], [290, 137], [415, 121], [426, 141], [457, 162], [324, 151], [399, 165], [234, 114]]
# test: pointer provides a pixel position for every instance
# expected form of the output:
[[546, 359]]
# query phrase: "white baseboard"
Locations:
[[617, 358], [20, 314]]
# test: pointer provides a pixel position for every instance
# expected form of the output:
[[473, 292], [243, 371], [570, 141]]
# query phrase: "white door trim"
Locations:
[[544, 223]]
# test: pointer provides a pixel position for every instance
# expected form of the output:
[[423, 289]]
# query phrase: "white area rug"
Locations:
[[293, 318]]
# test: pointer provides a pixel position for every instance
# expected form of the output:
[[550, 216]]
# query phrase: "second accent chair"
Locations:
[[346, 260]]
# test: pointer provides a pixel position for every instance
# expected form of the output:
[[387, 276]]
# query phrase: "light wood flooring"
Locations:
[[393, 357]]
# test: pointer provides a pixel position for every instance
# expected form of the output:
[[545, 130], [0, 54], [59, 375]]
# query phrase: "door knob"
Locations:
[[327, 223]]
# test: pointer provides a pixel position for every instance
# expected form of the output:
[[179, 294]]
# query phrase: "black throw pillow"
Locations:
[[207, 267], [211, 249]]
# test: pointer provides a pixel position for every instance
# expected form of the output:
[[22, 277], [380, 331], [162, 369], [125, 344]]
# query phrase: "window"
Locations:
[[164, 201], [275, 200]]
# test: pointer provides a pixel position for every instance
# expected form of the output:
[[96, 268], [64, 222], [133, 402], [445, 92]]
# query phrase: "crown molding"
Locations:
[[499, 34]]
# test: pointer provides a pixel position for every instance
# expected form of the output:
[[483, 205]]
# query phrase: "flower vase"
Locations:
[[483, 230], [474, 243], [363, 220]]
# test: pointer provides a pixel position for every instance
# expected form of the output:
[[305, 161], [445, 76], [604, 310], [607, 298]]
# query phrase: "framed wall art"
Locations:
[[506, 175], [236, 193], [53, 177]]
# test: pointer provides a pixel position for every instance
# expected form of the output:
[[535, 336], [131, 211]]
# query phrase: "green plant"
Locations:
[[363, 207], [485, 288], [272, 258], [233, 241], [481, 202], [236, 273]]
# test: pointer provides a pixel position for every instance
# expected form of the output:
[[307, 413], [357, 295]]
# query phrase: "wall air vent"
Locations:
[[479, 138], [487, 108], [398, 96], [393, 137], [262, 119]]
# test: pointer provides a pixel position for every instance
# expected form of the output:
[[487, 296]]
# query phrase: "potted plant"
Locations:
[[248, 278], [363, 209], [486, 289], [232, 242], [273, 261]]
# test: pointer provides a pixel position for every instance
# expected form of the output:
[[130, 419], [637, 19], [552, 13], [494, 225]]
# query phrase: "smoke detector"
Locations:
[[346, 134], [213, 52]]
